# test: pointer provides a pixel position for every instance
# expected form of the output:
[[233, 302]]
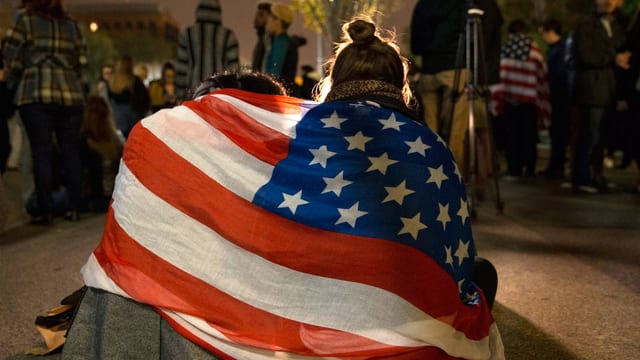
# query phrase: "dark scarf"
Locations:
[[362, 88], [382, 92]]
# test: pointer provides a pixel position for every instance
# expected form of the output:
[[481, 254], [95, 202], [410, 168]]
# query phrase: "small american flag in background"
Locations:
[[265, 226], [523, 77]]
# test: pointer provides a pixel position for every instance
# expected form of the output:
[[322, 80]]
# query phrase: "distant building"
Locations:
[[126, 17], [123, 16]]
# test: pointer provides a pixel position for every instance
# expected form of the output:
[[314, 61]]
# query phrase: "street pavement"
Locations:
[[568, 267]]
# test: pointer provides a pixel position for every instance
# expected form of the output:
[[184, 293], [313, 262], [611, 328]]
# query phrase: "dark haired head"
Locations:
[[243, 80], [552, 25], [366, 54], [265, 6], [45, 8], [518, 26]]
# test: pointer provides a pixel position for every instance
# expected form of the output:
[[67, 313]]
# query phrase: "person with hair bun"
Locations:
[[409, 193]]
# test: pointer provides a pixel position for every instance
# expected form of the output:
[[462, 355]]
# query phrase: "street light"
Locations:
[[93, 26]]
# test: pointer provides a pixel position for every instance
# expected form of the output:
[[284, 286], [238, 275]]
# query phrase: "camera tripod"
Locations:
[[471, 46]]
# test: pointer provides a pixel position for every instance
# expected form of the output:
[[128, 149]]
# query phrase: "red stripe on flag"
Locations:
[[409, 273], [256, 139]]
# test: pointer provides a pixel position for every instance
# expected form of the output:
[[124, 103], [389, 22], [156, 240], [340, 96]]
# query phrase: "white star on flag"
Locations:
[[380, 163], [321, 155], [397, 193], [440, 140], [333, 121], [412, 226], [292, 201], [391, 123], [460, 282], [350, 215], [335, 184], [457, 171], [462, 252], [443, 216], [437, 176], [449, 258], [464, 211], [357, 141], [417, 146]]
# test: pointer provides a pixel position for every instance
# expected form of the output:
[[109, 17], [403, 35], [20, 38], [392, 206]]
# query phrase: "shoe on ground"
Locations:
[[585, 189]]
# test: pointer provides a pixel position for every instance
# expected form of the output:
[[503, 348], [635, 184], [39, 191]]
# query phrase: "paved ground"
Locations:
[[568, 264]]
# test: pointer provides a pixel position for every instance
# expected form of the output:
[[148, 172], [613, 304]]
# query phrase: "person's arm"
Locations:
[[15, 43]]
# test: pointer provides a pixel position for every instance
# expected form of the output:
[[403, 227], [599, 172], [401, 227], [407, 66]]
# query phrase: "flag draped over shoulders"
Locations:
[[265, 226], [523, 77]]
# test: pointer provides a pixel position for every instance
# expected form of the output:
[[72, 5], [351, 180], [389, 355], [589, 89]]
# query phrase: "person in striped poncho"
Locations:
[[205, 48]]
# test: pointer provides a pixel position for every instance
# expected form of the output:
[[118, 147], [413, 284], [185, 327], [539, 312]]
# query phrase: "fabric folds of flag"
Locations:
[[265, 226], [523, 77]]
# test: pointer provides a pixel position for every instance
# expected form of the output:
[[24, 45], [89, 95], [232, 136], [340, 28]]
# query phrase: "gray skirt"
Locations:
[[108, 326]]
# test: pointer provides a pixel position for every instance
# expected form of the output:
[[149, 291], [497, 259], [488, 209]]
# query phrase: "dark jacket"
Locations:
[[436, 26], [558, 73], [595, 60], [491, 23]]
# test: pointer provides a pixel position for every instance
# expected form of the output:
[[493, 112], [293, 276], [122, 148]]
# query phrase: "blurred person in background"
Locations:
[[205, 48], [558, 76], [163, 91], [46, 57], [101, 150], [522, 97], [282, 59], [128, 96], [264, 39], [102, 85], [597, 40]]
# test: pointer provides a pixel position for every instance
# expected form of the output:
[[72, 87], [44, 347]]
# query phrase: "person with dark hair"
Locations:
[[102, 85], [162, 92], [558, 76], [249, 81], [101, 150], [46, 56], [205, 48], [282, 58], [264, 39], [596, 41], [522, 98]]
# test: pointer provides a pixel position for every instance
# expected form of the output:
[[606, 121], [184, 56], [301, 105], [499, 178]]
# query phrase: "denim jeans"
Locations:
[[41, 121], [589, 134]]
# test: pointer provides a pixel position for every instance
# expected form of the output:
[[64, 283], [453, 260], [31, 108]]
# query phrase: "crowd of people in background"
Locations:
[[585, 91], [583, 88]]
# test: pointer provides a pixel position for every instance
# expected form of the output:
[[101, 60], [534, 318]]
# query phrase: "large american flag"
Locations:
[[523, 77], [265, 226]]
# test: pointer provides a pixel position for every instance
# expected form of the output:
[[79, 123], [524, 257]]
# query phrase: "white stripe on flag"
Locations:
[[196, 141]]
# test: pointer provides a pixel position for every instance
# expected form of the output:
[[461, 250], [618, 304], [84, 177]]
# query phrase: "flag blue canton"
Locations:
[[361, 169]]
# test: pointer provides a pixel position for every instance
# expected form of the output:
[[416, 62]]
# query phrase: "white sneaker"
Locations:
[[588, 189]]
